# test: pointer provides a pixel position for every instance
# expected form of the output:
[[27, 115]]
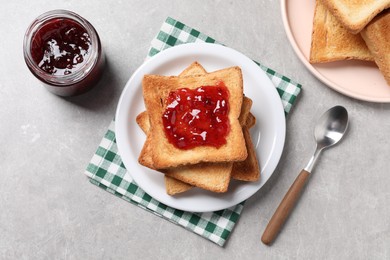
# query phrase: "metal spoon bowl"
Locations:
[[329, 130]]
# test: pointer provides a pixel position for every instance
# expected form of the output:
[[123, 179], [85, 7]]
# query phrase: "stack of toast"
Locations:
[[352, 30], [206, 167]]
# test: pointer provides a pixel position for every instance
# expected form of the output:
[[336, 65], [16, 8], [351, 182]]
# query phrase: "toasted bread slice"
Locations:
[[354, 15], [214, 177], [145, 157], [245, 110], [247, 170], [377, 37], [155, 91], [250, 121], [332, 42], [174, 186]]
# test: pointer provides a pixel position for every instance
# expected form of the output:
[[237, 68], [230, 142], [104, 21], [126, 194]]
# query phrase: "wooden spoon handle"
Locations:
[[285, 207]]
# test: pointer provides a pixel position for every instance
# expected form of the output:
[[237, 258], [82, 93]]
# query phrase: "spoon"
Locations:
[[328, 131]]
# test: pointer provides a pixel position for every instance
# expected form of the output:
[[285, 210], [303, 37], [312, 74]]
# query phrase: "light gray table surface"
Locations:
[[49, 209]]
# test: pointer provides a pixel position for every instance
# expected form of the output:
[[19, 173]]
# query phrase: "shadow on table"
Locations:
[[103, 95]]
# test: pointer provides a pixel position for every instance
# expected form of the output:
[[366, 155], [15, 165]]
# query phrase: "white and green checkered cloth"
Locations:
[[107, 171]]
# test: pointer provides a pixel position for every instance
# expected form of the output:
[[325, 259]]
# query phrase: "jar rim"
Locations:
[[80, 73]]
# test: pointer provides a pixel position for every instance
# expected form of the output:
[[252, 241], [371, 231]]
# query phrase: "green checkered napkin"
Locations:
[[107, 171]]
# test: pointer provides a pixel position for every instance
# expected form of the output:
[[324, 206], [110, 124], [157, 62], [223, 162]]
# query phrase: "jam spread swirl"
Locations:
[[197, 117]]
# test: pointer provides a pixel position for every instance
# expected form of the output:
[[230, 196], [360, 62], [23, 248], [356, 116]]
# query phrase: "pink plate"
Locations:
[[358, 79]]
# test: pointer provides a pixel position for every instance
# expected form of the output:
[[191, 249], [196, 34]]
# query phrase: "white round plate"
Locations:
[[357, 79], [268, 134]]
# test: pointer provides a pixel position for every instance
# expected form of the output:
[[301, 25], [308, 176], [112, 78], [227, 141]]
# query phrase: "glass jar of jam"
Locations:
[[63, 51]]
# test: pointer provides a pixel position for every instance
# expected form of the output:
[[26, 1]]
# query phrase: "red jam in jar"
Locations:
[[63, 50], [60, 47], [197, 117]]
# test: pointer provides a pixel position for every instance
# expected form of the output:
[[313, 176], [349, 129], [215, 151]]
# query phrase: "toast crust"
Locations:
[[145, 157], [250, 121], [354, 15], [377, 37], [194, 69], [174, 186], [247, 170]]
